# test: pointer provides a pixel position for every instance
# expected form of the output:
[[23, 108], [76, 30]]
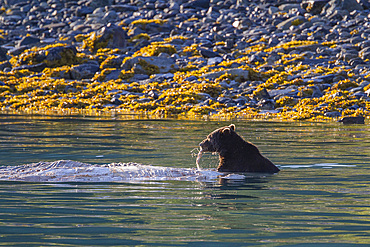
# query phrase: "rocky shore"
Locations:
[[290, 60]]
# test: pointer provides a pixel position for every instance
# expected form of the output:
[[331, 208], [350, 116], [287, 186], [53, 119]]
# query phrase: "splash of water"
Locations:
[[73, 171]]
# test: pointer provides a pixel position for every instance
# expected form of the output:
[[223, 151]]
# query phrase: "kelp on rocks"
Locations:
[[174, 76]]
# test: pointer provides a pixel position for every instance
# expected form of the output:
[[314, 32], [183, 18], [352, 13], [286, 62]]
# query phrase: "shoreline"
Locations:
[[130, 115], [296, 60]]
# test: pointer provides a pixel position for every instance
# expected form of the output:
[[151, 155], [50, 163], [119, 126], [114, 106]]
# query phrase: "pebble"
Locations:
[[288, 58]]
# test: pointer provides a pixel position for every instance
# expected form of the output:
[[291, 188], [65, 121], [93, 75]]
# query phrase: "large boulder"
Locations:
[[53, 56], [60, 56]]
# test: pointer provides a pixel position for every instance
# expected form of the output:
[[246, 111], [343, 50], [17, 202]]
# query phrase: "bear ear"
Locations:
[[232, 126], [226, 130]]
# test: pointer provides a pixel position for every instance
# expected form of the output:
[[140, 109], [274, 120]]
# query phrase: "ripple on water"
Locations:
[[320, 165]]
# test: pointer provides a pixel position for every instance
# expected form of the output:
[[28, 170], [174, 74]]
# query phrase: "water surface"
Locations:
[[320, 198]]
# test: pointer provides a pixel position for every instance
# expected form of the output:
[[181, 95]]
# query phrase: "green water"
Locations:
[[321, 197]]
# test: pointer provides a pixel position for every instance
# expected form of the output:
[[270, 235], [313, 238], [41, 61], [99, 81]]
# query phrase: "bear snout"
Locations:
[[206, 146], [201, 144]]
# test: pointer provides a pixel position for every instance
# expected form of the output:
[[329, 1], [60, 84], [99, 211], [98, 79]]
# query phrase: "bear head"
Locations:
[[217, 139]]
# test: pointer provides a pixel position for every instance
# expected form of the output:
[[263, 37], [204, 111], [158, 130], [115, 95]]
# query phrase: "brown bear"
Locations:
[[236, 154]]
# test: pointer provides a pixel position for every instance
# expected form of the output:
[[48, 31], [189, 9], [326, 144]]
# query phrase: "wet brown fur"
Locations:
[[236, 154]]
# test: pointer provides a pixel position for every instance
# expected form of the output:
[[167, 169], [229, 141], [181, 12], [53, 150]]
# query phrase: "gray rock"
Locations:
[[53, 57], [28, 40], [273, 57], [334, 6], [316, 92], [3, 55], [364, 3], [139, 77], [282, 92], [33, 67], [323, 78], [83, 10], [110, 16], [288, 6], [191, 78], [164, 64], [204, 4], [84, 71], [223, 100], [5, 66], [263, 94], [347, 55], [241, 74], [114, 75], [333, 114], [113, 35], [364, 53], [214, 60], [359, 95], [115, 100], [123, 8], [162, 77], [9, 3], [113, 63], [241, 101], [364, 84], [10, 19], [364, 44], [206, 53], [61, 55], [135, 31], [272, 10], [266, 104], [356, 61], [314, 7], [352, 120], [284, 25], [154, 94], [99, 3], [17, 50]]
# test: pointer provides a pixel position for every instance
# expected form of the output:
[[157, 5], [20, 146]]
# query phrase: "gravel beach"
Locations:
[[288, 60]]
